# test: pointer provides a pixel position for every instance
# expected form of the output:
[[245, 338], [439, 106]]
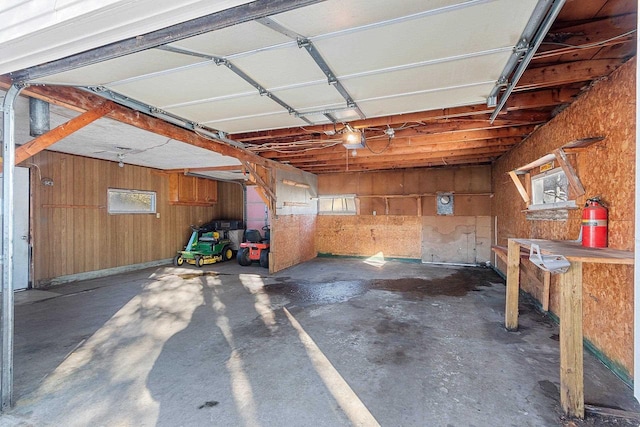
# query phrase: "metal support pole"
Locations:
[[636, 274], [8, 156]]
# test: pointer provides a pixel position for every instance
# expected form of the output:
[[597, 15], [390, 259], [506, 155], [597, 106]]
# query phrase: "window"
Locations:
[[131, 201], [550, 187], [550, 190], [344, 204]]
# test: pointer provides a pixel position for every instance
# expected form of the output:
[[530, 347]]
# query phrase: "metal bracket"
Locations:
[[554, 264]]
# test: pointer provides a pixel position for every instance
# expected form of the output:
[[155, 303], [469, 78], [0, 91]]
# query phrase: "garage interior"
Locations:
[[395, 150]]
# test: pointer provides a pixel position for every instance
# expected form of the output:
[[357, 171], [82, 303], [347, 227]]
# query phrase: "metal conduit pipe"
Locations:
[[39, 118]]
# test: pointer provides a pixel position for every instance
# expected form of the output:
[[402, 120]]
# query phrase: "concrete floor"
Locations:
[[332, 342]]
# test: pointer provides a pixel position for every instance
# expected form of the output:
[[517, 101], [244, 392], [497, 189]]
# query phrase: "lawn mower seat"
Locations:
[[252, 236]]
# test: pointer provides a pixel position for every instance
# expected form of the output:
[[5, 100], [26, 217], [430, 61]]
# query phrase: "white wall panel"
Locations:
[[426, 101], [250, 124], [38, 31], [461, 32], [312, 97], [280, 67], [190, 84], [237, 107], [338, 15], [125, 67], [240, 38], [444, 75]]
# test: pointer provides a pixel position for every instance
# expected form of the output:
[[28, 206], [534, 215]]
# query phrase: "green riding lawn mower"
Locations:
[[205, 247]]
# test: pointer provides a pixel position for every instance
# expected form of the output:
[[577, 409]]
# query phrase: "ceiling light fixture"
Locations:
[[121, 160], [353, 138]]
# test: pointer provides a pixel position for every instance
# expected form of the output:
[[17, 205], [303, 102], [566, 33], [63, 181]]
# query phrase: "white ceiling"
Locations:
[[106, 139], [391, 57]]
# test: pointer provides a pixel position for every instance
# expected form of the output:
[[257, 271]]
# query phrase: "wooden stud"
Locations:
[[572, 177], [520, 187], [571, 359], [513, 286], [546, 288]]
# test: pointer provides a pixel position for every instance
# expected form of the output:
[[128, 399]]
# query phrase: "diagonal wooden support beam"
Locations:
[[42, 142], [261, 182], [82, 101]]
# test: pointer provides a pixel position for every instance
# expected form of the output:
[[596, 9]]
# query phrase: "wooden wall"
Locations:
[[73, 233], [292, 240], [397, 211], [607, 169]]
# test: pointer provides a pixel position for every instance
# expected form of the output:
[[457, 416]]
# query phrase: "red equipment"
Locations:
[[594, 224], [255, 248]]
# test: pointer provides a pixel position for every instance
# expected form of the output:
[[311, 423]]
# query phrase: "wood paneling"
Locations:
[[73, 233], [393, 205], [605, 168], [292, 240]]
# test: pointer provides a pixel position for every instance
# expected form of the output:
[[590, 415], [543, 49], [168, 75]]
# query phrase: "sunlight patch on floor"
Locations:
[[344, 395], [376, 260], [255, 285], [240, 384], [111, 366]]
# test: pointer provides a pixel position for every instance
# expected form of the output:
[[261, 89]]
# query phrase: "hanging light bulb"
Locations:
[[353, 138], [121, 160]]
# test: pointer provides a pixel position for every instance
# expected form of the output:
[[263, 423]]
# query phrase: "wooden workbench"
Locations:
[[571, 362]]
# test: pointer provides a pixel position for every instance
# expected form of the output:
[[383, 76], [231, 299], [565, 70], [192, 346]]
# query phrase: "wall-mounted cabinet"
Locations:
[[189, 190]]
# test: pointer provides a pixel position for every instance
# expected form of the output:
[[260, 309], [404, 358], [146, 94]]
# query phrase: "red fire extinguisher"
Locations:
[[594, 224]]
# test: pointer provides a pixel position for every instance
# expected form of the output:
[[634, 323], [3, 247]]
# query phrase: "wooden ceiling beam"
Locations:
[[471, 160], [562, 74], [418, 140], [404, 150], [402, 159], [207, 169], [517, 102], [436, 127], [577, 36]]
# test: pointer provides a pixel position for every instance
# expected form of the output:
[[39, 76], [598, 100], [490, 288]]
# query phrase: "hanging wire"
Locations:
[[594, 44]]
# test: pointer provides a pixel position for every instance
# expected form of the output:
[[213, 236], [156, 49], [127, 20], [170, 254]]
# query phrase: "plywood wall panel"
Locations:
[[411, 181], [466, 205], [429, 206], [73, 232], [366, 186], [293, 240], [369, 205], [614, 298], [366, 235], [403, 206], [606, 168]]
